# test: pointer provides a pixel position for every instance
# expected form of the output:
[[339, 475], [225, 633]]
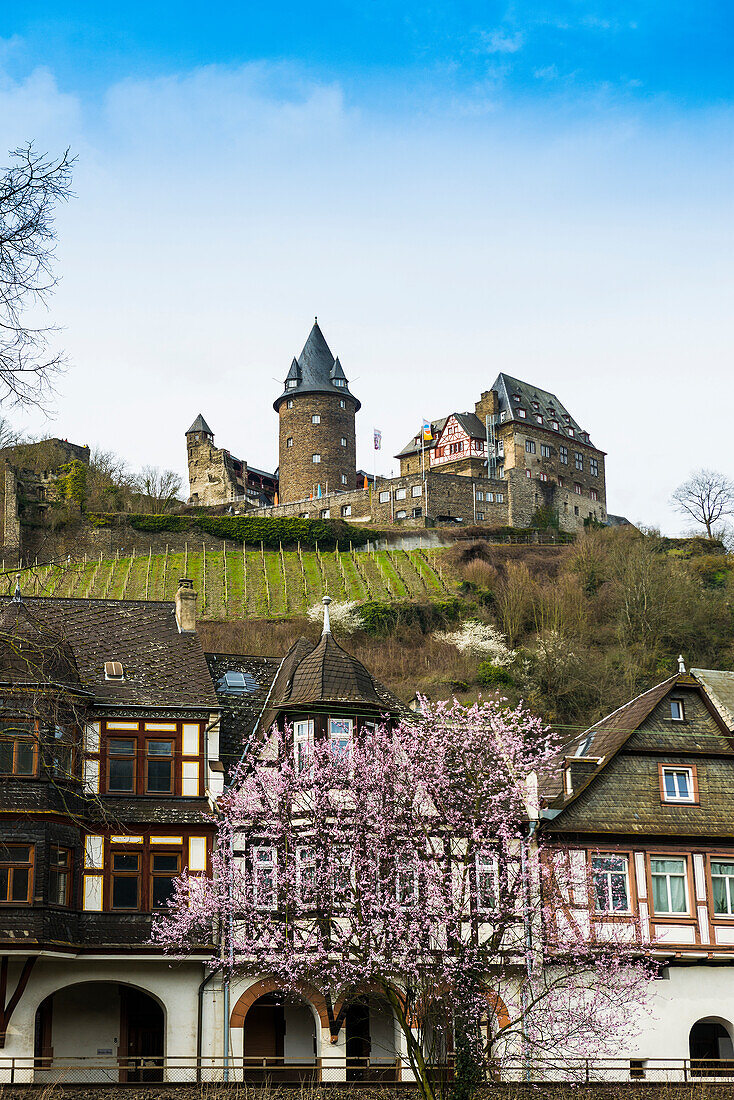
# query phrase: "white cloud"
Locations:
[[499, 41]]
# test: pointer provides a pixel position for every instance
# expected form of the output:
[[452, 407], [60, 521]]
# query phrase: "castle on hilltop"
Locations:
[[519, 459]]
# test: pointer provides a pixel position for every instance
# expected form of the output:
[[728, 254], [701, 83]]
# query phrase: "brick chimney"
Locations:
[[487, 405], [186, 607]]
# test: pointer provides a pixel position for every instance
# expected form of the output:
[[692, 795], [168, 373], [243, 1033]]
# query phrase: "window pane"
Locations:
[[668, 866], [20, 884], [160, 748], [619, 893], [683, 788], [660, 894], [722, 868], [122, 775], [15, 853], [6, 756], [669, 779], [123, 748], [159, 776], [57, 887], [165, 863], [4, 883], [721, 900], [123, 862], [162, 891], [677, 895], [124, 892]]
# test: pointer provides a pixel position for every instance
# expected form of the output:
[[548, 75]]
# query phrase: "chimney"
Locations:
[[186, 607], [487, 405]]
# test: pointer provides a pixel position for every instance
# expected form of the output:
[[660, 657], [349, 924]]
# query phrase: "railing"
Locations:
[[357, 1071]]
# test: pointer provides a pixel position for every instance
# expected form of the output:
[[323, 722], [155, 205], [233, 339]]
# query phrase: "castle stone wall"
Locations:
[[299, 474]]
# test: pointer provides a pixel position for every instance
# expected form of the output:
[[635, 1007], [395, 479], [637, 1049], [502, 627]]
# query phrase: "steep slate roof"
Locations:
[[239, 713], [30, 652], [604, 739], [719, 686], [315, 371], [162, 667], [200, 425], [328, 674], [549, 407]]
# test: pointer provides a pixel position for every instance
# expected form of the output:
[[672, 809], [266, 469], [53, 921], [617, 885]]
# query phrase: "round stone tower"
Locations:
[[316, 411]]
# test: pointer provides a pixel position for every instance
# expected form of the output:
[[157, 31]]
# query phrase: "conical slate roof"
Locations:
[[315, 371], [328, 674], [200, 425]]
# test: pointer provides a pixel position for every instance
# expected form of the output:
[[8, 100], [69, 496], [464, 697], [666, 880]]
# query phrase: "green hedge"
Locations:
[[271, 531]]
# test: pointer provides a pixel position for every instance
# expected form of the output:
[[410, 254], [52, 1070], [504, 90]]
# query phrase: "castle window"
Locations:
[[344, 441], [342, 403], [416, 490], [579, 460], [489, 497], [594, 467], [500, 498], [575, 509], [539, 419], [516, 398], [563, 453], [384, 498], [528, 473], [344, 479], [315, 419], [289, 441], [326, 513], [521, 413], [316, 459], [677, 710], [545, 451], [401, 494], [543, 477], [291, 383], [480, 516], [593, 494], [417, 513], [340, 382], [289, 403], [401, 514], [530, 446], [16, 873], [479, 494], [346, 509], [560, 482]]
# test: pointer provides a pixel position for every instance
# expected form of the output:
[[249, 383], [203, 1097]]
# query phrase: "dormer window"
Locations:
[[516, 398], [555, 425], [291, 383], [521, 413], [340, 382], [677, 710], [113, 670], [571, 432]]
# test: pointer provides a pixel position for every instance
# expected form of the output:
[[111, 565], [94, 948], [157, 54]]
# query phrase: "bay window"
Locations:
[[302, 744], [159, 767], [340, 736]]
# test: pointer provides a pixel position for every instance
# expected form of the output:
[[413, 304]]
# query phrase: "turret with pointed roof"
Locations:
[[317, 435]]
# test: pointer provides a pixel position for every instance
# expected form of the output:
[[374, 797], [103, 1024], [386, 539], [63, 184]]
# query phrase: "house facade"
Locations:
[[644, 803]]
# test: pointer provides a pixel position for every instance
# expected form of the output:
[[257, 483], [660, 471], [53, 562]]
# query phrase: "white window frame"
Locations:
[[677, 710], [315, 418], [289, 403], [344, 441], [606, 874], [302, 736], [337, 736], [305, 862], [667, 875], [289, 441], [316, 459], [265, 858], [401, 494], [675, 771], [416, 490], [500, 498], [346, 509], [385, 497], [401, 514], [485, 864]]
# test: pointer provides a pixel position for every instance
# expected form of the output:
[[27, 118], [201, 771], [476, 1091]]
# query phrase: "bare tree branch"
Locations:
[[30, 189], [707, 497], [160, 488]]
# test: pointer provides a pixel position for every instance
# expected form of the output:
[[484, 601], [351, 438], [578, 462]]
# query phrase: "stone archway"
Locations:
[[279, 1040], [711, 1047]]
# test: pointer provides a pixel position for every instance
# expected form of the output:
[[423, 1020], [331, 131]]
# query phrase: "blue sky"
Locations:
[[456, 189]]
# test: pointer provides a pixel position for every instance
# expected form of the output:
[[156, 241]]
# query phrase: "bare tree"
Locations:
[[9, 436], [30, 189], [160, 488], [707, 497]]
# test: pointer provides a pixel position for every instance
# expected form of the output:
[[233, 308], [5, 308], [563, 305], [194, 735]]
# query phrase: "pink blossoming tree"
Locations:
[[411, 868]]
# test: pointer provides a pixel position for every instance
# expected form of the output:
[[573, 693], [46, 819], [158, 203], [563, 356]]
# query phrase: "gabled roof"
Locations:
[[549, 407], [31, 652], [162, 667], [719, 687], [240, 711], [200, 425], [315, 371], [604, 739], [414, 446]]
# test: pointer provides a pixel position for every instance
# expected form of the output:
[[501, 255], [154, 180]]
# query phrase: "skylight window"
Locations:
[[238, 683]]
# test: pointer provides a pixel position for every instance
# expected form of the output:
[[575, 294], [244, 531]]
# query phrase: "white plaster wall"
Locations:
[[690, 993], [174, 985], [86, 1021]]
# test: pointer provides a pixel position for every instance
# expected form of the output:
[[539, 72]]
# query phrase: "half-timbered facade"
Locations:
[[644, 804]]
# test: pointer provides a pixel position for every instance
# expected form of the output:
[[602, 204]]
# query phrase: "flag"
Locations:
[[378, 439], [318, 490], [427, 433]]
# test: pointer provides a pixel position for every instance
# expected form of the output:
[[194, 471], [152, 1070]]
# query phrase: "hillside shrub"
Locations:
[[491, 675], [272, 531], [477, 639]]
